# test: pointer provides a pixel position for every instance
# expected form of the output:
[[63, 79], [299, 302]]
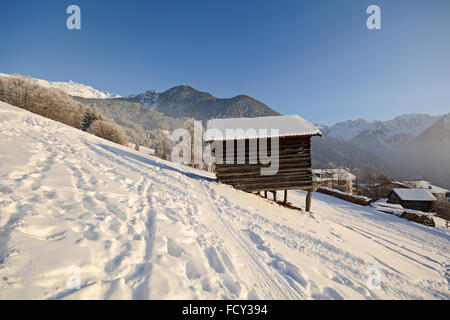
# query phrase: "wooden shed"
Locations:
[[294, 153], [415, 199]]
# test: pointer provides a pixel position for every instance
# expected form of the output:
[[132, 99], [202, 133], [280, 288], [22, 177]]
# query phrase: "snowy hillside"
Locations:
[[76, 89], [141, 228]]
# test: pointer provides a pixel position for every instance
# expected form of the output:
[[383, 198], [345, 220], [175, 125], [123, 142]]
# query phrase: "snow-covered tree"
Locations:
[[89, 117], [27, 93], [109, 130]]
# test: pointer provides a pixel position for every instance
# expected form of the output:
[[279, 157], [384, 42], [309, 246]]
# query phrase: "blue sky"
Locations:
[[313, 58]]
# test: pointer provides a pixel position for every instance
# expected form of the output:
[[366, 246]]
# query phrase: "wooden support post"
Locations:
[[274, 196], [285, 197], [265, 194], [308, 200]]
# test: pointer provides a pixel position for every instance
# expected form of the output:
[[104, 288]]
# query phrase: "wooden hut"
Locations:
[[244, 172], [415, 199]]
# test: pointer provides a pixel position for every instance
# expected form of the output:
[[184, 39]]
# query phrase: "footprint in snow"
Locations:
[[173, 248], [57, 236], [214, 260], [192, 270]]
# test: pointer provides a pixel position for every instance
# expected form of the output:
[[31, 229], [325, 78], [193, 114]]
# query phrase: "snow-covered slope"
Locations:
[[141, 228], [391, 133], [76, 89]]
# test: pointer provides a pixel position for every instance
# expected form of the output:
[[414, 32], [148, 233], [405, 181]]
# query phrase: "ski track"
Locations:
[[142, 228]]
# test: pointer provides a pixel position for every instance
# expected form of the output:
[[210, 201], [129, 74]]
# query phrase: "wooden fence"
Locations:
[[363, 201]]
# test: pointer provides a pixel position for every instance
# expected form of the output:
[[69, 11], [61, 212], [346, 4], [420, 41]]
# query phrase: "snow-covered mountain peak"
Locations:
[[79, 89], [322, 127], [148, 98], [361, 120], [390, 133], [75, 89], [349, 129]]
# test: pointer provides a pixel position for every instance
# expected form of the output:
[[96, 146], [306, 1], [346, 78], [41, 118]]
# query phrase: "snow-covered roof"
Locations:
[[414, 194], [402, 184], [425, 185], [332, 174], [251, 128]]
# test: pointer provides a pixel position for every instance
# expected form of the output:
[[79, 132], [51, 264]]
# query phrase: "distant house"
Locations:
[[385, 188], [398, 184], [334, 178], [415, 199], [240, 165], [438, 192]]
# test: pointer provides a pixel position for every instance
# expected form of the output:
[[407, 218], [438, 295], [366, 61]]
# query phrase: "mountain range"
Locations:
[[385, 134], [414, 146], [185, 101], [407, 147], [427, 157]]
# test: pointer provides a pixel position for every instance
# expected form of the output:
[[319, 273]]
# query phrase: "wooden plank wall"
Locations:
[[294, 167]]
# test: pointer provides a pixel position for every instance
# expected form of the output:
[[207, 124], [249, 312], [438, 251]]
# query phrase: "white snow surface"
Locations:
[[383, 206], [414, 194], [75, 89], [142, 228], [345, 193], [425, 185], [250, 128]]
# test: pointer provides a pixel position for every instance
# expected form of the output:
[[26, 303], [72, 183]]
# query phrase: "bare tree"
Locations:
[[189, 125], [357, 173], [369, 181], [109, 130], [329, 174], [442, 209], [27, 93]]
